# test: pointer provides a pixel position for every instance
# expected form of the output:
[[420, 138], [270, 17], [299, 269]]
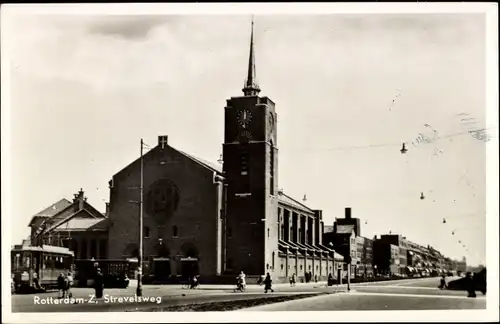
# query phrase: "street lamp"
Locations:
[[404, 149], [141, 221]]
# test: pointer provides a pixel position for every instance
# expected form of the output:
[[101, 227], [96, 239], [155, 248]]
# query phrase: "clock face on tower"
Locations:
[[244, 117]]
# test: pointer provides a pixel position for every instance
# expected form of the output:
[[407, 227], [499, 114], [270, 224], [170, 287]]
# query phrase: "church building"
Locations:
[[202, 219]]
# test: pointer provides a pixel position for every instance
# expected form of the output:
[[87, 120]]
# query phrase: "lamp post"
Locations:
[[139, 259], [349, 259]]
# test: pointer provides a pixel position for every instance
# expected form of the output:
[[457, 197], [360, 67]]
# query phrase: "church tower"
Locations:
[[250, 168]]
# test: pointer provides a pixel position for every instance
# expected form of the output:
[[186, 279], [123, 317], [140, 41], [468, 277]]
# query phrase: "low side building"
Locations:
[[76, 225]]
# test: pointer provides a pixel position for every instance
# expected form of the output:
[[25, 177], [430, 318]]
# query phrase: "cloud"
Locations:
[[129, 27]]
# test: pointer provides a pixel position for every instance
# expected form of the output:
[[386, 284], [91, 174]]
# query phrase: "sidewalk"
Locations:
[[260, 287]]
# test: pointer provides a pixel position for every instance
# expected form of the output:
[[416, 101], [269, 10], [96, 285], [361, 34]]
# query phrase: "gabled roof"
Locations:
[[210, 165], [53, 209], [287, 200], [344, 229], [76, 224], [71, 222]]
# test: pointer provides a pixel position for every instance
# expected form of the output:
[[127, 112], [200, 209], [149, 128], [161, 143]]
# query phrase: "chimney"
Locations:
[[78, 200], [348, 213], [107, 209]]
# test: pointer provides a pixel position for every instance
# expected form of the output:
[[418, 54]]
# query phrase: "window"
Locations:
[[147, 232], [301, 267], [244, 163], [281, 266], [274, 255], [268, 232], [175, 231]]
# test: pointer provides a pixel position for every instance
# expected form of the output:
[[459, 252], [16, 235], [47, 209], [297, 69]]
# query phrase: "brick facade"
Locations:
[[182, 208]]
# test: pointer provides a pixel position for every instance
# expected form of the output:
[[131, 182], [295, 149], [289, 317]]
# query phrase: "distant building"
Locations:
[[364, 257], [76, 225], [343, 241], [413, 258], [348, 220]]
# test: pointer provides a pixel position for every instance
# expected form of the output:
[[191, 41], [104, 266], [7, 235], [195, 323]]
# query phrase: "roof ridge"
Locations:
[[198, 159], [51, 205], [281, 192]]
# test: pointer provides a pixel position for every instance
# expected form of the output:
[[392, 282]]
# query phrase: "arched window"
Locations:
[[175, 231], [147, 232], [274, 256], [189, 250]]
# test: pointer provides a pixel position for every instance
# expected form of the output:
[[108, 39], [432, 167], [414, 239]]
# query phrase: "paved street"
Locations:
[[169, 294], [397, 295], [418, 294]]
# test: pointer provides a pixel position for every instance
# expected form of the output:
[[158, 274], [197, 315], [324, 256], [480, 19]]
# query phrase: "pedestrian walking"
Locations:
[[240, 282], [442, 284], [268, 283], [292, 280], [61, 285], [69, 279], [469, 285], [99, 284], [330, 280]]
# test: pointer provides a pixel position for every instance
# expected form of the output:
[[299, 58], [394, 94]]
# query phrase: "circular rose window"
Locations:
[[162, 200]]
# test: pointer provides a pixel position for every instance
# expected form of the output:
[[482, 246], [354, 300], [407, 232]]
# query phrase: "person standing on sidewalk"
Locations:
[[69, 283], [293, 281], [268, 282], [99, 284]]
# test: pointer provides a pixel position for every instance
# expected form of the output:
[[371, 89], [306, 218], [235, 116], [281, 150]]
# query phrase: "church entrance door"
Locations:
[[162, 269], [189, 267]]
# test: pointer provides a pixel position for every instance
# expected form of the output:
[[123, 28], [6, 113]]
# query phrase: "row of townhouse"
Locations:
[[388, 254]]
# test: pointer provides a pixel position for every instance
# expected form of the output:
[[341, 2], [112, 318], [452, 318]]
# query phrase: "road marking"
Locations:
[[415, 295]]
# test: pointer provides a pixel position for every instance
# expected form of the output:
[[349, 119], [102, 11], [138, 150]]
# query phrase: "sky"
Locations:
[[349, 90]]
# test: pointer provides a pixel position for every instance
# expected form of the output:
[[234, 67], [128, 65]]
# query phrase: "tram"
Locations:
[[37, 267]]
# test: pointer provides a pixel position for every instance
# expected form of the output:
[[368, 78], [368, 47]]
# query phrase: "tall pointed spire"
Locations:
[[251, 87]]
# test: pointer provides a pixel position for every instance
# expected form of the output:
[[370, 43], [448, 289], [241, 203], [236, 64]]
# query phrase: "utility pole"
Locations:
[[141, 204], [349, 275]]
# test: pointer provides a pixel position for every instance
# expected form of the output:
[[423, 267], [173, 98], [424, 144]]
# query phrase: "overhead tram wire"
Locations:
[[398, 144]]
